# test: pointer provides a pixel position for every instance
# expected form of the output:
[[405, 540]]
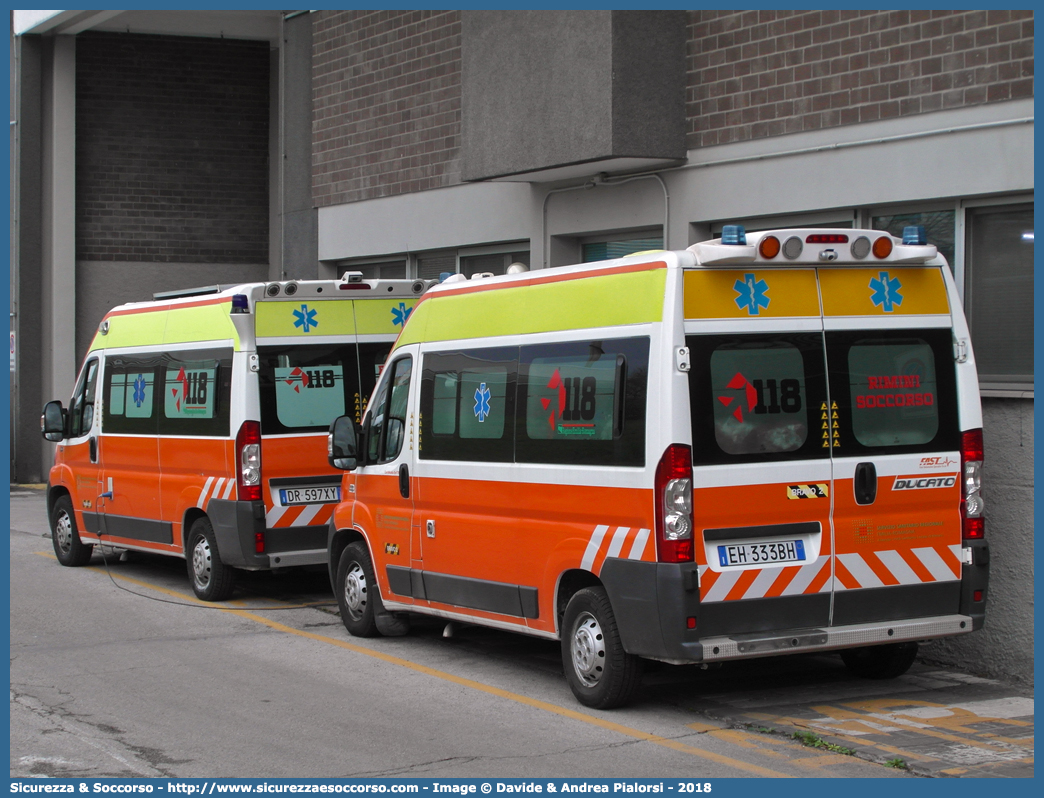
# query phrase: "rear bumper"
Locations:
[[654, 604], [236, 525]]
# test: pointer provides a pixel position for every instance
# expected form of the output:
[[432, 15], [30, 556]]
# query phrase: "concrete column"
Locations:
[[58, 272]]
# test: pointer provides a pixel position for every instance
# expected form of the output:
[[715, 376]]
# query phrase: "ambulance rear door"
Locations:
[[311, 370], [762, 435], [897, 462]]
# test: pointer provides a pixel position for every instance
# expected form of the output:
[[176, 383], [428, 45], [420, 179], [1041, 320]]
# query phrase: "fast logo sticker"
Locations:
[[305, 319], [924, 483], [886, 292], [818, 490], [750, 294]]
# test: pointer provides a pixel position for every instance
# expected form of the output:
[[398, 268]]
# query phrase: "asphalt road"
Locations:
[[117, 671]]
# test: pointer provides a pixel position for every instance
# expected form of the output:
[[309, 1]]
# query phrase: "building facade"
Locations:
[[160, 150]]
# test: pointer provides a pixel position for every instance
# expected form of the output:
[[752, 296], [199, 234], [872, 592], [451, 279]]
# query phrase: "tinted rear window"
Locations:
[[895, 390], [757, 398], [304, 388]]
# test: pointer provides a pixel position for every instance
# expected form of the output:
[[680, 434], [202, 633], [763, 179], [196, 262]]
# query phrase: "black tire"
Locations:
[[599, 672], [880, 662], [211, 579], [356, 591], [65, 536]]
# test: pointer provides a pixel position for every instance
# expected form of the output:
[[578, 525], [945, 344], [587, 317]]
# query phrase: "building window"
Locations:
[[607, 250], [430, 267], [938, 225], [999, 294], [496, 263]]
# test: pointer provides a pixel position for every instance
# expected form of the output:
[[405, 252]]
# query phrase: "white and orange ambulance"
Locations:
[[198, 424], [762, 444]]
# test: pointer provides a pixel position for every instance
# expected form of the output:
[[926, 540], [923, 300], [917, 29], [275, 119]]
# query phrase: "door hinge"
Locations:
[[682, 358]]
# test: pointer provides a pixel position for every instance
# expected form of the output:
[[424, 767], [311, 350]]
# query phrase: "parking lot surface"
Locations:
[[116, 670]]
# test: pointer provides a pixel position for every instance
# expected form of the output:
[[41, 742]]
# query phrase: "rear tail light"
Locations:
[[248, 461], [259, 542], [673, 490], [972, 521]]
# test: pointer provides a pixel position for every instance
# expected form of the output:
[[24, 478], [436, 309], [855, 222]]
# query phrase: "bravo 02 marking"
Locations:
[[819, 490]]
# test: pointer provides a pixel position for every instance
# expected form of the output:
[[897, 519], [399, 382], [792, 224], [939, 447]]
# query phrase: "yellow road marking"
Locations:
[[845, 714], [534, 703]]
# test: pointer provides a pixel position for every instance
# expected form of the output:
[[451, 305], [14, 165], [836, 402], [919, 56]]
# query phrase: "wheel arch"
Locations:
[[569, 583], [191, 515], [339, 541], [54, 493]]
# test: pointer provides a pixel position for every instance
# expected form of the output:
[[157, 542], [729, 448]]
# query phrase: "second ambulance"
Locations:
[[766, 443]]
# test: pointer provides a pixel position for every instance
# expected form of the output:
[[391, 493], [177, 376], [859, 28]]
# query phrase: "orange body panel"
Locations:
[[194, 471], [906, 537], [131, 462], [760, 505], [294, 456], [519, 533]]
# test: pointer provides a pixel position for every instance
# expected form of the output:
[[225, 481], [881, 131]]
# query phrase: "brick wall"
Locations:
[[386, 103], [171, 149], [754, 74]]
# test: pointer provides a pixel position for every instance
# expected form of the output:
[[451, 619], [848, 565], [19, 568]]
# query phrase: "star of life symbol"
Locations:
[[139, 390], [305, 319], [886, 292], [400, 314], [751, 294], [482, 402]]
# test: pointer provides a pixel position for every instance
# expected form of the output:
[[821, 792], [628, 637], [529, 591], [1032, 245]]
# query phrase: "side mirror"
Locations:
[[52, 422], [342, 445]]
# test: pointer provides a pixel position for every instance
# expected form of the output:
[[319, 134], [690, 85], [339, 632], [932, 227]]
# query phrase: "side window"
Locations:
[[81, 408], [196, 390], [583, 402], [130, 395], [387, 415], [468, 405], [758, 398], [896, 390]]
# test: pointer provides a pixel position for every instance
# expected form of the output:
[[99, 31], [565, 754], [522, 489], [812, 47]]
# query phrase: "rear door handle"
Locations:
[[865, 483]]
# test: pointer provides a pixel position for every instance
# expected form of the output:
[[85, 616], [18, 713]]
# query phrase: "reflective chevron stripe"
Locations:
[[898, 567], [634, 541]]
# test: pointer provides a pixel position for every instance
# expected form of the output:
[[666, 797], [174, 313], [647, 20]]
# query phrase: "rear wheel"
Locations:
[[599, 672], [880, 662], [211, 579], [65, 537]]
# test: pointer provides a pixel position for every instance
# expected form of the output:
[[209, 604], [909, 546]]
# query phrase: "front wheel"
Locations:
[[211, 579], [65, 537], [880, 662], [599, 672]]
